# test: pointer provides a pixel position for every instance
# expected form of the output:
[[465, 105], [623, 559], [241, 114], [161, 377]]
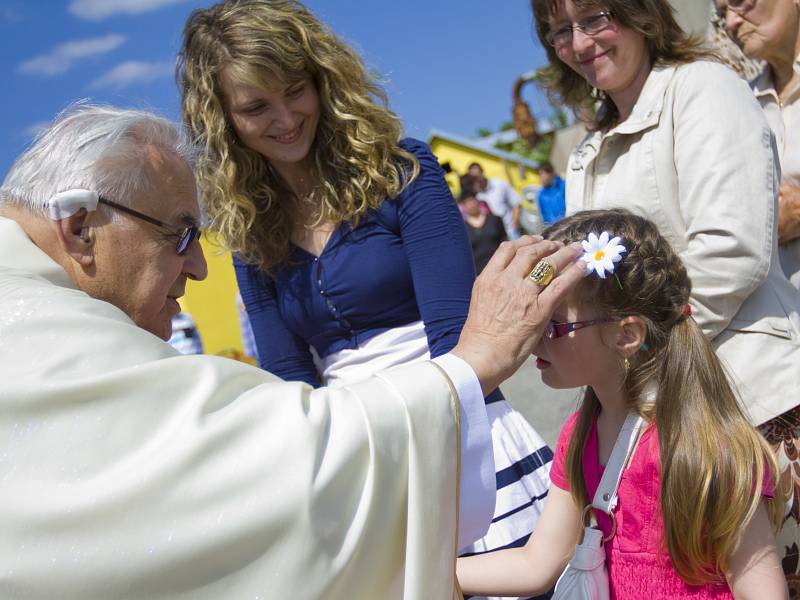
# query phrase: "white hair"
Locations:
[[95, 147]]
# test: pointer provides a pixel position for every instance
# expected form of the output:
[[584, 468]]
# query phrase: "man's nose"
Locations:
[[195, 266]]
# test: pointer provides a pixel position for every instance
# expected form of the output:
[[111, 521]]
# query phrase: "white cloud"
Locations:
[[133, 72], [61, 58], [96, 10]]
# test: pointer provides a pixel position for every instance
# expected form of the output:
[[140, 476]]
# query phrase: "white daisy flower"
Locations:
[[601, 253]]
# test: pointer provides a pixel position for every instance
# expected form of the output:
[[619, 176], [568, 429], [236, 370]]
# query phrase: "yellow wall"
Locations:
[[460, 157], [212, 303]]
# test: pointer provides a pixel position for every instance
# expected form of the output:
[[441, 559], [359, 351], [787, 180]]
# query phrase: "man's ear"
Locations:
[[631, 334], [76, 237]]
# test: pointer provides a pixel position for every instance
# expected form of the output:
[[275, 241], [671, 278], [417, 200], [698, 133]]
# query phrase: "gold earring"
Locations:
[[627, 364]]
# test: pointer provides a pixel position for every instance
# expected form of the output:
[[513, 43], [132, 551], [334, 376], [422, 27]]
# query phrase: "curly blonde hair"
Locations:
[[356, 158]]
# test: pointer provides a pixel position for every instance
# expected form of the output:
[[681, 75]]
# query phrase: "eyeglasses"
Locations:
[[185, 236], [589, 26], [554, 329]]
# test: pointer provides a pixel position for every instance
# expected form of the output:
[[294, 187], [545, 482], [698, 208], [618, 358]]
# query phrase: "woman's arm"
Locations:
[[727, 188], [755, 569], [534, 568], [438, 251], [280, 351]]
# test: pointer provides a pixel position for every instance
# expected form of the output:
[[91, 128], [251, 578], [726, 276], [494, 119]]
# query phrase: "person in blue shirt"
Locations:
[[551, 196], [350, 252]]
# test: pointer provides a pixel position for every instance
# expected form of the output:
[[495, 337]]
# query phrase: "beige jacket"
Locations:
[[784, 119], [130, 472], [697, 157]]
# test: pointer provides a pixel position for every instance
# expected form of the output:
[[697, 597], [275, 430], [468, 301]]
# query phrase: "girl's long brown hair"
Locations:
[[713, 462], [357, 162], [666, 42]]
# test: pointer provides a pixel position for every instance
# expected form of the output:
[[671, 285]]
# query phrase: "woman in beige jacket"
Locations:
[[680, 138]]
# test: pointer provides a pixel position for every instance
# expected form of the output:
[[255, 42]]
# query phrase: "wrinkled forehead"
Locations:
[[173, 189]]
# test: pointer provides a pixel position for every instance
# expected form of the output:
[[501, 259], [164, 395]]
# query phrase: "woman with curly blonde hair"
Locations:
[[350, 252]]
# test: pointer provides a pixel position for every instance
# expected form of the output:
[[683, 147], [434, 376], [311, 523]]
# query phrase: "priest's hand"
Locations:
[[509, 311]]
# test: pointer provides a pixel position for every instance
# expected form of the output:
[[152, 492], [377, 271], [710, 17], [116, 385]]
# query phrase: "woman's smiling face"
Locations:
[[278, 121], [612, 60]]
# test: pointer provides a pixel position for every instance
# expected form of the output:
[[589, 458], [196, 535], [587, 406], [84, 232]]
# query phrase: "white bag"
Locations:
[[586, 576]]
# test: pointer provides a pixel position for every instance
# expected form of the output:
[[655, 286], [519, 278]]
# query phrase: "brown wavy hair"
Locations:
[[667, 44], [713, 461], [357, 161]]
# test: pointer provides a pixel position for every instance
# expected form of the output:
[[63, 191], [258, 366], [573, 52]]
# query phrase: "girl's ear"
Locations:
[[631, 334]]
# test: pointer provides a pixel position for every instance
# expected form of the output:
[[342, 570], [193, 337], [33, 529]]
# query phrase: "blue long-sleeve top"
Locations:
[[408, 260]]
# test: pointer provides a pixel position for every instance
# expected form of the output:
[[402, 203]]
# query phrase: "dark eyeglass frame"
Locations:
[[584, 25], [185, 237], [555, 330]]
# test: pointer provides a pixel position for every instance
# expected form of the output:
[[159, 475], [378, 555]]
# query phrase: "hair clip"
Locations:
[[601, 254], [687, 310]]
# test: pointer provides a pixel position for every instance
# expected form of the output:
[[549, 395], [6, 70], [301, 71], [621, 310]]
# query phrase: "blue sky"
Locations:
[[446, 64]]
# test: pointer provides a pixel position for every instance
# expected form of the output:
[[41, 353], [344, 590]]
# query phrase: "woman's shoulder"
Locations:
[[430, 171], [421, 151], [707, 74], [715, 89], [414, 146]]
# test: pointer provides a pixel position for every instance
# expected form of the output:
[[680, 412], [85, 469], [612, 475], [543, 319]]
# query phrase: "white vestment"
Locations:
[[130, 471]]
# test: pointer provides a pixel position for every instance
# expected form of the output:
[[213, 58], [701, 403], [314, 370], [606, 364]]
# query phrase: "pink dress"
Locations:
[[638, 564]]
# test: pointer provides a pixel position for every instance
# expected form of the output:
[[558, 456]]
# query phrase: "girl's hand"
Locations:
[[531, 570]]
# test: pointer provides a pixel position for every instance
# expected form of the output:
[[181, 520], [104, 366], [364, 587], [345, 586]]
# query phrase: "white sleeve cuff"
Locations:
[[478, 483]]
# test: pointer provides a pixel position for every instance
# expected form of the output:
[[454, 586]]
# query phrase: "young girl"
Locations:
[[695, 505]]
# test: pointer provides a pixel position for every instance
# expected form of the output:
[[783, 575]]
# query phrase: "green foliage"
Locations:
[[539, 153]]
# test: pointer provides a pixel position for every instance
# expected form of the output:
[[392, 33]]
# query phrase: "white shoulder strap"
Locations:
[[605, 498]]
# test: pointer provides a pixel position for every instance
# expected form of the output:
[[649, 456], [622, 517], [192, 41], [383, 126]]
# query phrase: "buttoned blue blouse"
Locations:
[[409, 260]]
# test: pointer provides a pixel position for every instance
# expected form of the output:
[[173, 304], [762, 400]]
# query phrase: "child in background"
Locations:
[[695, 515]]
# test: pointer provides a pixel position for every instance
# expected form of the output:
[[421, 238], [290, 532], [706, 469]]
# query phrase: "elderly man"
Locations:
[[130, 471]]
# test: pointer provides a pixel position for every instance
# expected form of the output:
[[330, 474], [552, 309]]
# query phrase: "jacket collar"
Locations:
[[764, 84], [645, 114], [17, 251], [647, 110]]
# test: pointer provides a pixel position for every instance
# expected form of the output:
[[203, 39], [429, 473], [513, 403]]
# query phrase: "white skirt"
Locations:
[[522, 459]]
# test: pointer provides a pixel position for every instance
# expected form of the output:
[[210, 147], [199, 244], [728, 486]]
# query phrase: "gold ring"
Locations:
[[542, 273]]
